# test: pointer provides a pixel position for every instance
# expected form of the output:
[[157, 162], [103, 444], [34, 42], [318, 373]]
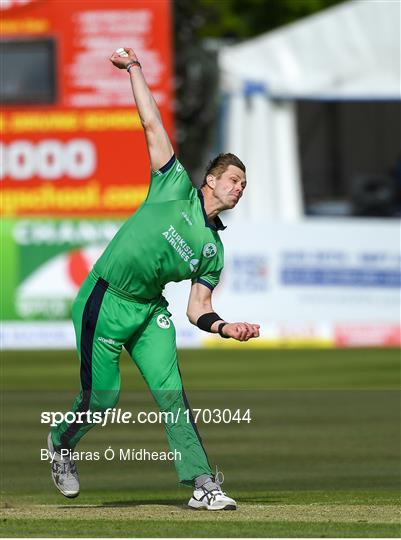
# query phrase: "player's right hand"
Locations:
[[122, 62], [241, 331]]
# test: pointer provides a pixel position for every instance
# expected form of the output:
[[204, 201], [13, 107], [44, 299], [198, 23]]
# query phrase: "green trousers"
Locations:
[[105, 320]]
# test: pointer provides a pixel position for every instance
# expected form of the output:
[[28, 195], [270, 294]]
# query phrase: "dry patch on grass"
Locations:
[[246, 512]]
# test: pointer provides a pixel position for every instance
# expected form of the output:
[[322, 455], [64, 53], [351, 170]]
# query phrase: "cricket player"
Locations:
[[173, 236]]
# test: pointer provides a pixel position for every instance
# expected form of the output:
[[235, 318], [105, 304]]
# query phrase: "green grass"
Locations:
[[187, 529], [325, 434], [161, 514], [246, 369]]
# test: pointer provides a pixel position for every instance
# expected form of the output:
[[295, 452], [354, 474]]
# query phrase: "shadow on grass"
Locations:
[[129, 504], [176, 503], [262, 500]]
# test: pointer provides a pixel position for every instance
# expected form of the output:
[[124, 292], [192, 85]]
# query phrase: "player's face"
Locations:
[[229, 188]]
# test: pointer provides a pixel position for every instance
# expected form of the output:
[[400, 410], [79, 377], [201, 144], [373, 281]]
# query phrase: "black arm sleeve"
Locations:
[[206, 320]]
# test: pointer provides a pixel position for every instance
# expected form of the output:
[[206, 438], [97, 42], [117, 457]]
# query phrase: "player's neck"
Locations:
[[211, 205]]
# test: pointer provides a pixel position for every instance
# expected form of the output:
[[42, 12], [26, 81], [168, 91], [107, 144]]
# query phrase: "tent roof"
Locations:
[[348, 51]]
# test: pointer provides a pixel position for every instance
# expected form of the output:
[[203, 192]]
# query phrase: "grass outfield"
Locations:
[[154, 519], [320, 457]]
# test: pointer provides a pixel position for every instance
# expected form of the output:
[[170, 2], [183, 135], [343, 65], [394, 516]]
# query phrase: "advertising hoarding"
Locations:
[[316, 283], [71, 138]]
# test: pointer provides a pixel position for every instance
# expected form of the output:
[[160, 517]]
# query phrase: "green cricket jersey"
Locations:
[[168, 238]]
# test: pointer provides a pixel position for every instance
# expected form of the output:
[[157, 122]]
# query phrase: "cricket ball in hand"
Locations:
[[121, 52]]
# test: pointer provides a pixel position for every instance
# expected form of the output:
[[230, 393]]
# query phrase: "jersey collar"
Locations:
[[218, 224]]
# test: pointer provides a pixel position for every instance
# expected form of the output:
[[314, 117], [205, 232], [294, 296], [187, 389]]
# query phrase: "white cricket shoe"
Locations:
[[209, 496], [64, 472]]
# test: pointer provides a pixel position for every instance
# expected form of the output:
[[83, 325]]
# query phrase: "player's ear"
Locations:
[[211, 181]]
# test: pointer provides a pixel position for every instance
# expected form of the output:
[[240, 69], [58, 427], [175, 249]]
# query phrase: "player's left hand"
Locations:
[[241, 331]]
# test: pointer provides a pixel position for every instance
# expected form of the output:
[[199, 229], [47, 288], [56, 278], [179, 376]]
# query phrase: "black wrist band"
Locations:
[[206, 320], [220, 330]]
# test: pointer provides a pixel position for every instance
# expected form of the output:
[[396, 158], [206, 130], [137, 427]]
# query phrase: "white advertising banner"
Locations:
[[315, 283]]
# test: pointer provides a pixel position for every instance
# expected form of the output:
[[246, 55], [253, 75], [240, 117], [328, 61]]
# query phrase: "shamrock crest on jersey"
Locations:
[[209, 250], [163, 321]]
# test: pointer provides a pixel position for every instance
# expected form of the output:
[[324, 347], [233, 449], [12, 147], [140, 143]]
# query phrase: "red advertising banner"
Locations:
[[71, 138]]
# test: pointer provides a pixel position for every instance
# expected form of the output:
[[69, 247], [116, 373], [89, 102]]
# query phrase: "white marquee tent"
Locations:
[[348, 52]]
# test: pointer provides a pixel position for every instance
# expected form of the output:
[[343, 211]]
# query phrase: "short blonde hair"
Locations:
[[220, 164]]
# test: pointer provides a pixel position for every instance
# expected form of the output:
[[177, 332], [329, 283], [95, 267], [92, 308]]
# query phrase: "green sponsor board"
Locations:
[[44, 261]]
